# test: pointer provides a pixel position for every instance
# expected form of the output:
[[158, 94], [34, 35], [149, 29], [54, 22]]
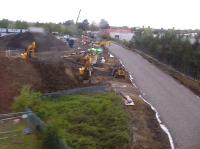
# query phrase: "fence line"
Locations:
[[13, 53], [34, 121]]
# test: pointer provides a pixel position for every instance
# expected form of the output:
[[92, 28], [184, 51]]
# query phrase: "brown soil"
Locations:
[[42, 76], [14, 73], [49, 72], [46, 75], [44, 42], [145, 129]]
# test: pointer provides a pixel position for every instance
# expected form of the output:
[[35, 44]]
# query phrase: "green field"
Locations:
[[81, 121], [16, 139]]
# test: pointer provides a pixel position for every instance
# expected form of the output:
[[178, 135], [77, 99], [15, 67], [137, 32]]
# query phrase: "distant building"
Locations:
[[189, 36], [119, 33]]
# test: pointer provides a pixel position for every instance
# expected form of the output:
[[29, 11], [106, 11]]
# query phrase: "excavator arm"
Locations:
[[28, 51]]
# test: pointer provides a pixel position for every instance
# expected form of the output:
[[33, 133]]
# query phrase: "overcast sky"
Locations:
[[182, 14]]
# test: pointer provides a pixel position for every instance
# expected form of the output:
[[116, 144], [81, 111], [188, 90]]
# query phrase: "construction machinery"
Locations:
[[78, 16], [103, 43], [118, 71], [29, 51], [85, 72]]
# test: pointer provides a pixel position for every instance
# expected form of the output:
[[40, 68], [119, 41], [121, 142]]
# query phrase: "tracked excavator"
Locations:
[[118, 71], [85, 72], [29, 52]]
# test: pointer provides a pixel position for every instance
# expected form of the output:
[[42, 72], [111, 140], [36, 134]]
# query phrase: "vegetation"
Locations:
[[21, 24], [4, 23], [63, 28], [105, 37], [16, 139], [104, 24], [81, 121], [67, 27], [51, 139], [171, 48]]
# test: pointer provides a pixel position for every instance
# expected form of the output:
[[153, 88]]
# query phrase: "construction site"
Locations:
[[99, 74], [52, 67]]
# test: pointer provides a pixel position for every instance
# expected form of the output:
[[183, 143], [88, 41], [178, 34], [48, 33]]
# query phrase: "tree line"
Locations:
[[67, 27], [172, 48]]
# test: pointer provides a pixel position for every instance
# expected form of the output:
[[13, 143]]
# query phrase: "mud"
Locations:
[[144, 127]]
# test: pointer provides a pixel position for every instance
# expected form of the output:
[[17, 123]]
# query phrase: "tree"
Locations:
[[103, 24], [84, 25], [69, 22], [173, 49], [21, 24], [93, 26], [4, 23]]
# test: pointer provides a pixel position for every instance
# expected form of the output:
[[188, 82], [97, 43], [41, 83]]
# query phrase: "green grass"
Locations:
[[83, 121], [17, 140]]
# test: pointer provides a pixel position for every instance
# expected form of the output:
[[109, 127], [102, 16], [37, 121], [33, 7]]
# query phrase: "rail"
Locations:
[[11, 53]]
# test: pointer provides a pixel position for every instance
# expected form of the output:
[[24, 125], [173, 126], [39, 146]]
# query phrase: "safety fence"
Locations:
[[35, 122], [9, 125], [11, 53], [82, 90], [7, 121]]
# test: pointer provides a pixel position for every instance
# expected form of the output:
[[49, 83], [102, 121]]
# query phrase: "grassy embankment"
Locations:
[[81, 121]]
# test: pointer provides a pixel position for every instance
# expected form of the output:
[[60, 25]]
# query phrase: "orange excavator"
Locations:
[[29, 51]]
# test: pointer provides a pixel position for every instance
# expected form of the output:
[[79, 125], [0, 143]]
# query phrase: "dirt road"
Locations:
[[178, 107]]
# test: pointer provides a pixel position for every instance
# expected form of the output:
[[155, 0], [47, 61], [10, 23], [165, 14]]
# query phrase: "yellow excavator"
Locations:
[[118, 72], [85, 72], [103, 43], [29, 51]]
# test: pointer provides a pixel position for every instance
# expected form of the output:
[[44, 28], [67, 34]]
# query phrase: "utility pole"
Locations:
[[78, 16]]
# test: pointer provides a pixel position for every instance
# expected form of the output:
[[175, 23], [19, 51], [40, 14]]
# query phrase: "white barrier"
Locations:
[[12, 53]]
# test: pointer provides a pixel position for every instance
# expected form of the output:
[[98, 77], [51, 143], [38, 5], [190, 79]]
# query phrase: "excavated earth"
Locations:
[[50, 72], [44, 42], [42, 74]]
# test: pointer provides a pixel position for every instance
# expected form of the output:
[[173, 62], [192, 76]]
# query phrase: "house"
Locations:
[[189, 36], [119, 33]]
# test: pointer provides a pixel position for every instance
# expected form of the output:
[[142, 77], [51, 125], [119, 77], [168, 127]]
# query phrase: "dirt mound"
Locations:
[[56, 76], [45, 77], [44, 41], [15, 73]]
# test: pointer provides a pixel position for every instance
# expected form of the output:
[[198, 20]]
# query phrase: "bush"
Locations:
[[50, 139], [106, 37], [27, 98], [172, 49], [82, 121]]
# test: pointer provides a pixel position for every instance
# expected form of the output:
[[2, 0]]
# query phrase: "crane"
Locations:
[[78, 16]]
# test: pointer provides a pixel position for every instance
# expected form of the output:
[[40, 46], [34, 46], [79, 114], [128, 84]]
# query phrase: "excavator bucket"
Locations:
[[81, 71]]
